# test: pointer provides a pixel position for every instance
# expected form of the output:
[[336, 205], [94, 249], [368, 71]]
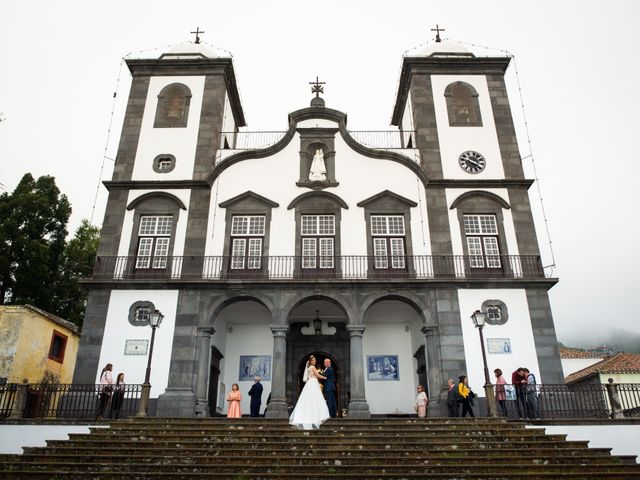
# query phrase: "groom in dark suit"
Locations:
[[330, 388]]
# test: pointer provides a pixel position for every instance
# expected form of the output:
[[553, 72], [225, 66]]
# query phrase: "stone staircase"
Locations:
[[158, 448]]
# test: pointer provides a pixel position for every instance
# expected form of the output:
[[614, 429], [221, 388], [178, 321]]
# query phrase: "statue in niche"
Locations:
[[318, 171]]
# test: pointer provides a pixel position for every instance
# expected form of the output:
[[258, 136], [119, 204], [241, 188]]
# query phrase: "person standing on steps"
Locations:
[[118, 396], [501, 394], [465, 395], [518, 381], [531, 394], [311, 410], [234, 399], [422, 402], [256, 397], [104, 390], [452, 399], [330, 388]]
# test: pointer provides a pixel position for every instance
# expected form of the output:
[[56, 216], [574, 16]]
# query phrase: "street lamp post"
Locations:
[[155, 319], [479, 319]]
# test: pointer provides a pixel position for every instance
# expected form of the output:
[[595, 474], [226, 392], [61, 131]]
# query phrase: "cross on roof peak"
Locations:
[[437, 30], [317, 87], [198, 32]]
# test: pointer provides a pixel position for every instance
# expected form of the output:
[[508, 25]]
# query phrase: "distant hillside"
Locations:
[[616, 340]]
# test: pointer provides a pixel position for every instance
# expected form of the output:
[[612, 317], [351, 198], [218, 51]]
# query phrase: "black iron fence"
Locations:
[[350, 267], [7, 397], [549, 401], [68, 401]]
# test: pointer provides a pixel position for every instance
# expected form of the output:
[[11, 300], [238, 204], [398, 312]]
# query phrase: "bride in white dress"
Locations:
[[311, 410]]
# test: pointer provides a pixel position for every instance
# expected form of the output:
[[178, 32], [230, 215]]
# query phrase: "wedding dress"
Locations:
[[311, 410]]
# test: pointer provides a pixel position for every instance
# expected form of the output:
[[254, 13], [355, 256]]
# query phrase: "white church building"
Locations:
[[369, 248]]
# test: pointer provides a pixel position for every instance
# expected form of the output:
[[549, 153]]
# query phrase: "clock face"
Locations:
[[472, 162]]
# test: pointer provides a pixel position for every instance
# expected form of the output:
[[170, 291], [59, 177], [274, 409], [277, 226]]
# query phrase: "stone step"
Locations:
[[269, 450], [319, 460], [27, 474], [303, 468]]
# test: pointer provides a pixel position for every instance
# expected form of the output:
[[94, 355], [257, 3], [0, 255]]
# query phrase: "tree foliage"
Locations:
[[37, 265]]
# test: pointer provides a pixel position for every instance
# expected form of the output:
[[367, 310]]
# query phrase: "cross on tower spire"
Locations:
[[437, 30], [317, 87], [198, 32]]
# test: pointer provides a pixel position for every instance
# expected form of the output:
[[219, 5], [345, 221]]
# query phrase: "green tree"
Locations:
[[33, 229], [77, 263]]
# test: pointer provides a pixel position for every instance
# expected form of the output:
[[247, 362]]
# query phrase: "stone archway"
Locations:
[[337, 367]]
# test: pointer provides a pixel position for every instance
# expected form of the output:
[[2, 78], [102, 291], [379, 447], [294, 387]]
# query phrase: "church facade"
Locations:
[[369, 248]]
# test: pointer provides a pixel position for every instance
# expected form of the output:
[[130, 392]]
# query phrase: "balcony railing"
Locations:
[[348, 267], [387, 140]]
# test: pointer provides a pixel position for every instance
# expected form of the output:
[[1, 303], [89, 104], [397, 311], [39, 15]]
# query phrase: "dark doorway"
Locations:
[[214, 376], [335, 347], [421, 358], [320, 357]]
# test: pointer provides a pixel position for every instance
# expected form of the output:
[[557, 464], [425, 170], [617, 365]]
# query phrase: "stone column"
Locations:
[[202, 374], [437, 385], [358, 406], [277, 407]]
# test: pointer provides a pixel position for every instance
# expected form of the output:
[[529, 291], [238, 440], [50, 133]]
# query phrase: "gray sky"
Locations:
[[578, 65]]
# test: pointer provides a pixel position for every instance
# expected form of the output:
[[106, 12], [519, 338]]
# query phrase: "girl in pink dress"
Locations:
[[501, 394], [421, 402], [234, 402]]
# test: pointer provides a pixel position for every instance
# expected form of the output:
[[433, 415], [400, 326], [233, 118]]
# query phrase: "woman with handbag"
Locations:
[[465, 396], [104, 390]]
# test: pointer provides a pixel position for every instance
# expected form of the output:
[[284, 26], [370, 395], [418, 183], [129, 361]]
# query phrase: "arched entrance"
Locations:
[[337, 368]]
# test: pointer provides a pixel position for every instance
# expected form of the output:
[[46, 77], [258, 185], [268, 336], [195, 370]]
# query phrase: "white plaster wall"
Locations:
[[181, 225], [117, 330], [359, 178], [455, 140], [517, 329], [180, 142], [456, 233], [245, 339], [390, 396], [572, 365], [620, 377]]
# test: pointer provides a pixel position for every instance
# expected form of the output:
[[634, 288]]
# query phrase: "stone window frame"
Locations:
[[159, 158], [247, 204], [451, 104], [482, 203], [387, 203], [154, 204], [160, 120], [133, 311], [56, 335], [318, 203], [487, 304]]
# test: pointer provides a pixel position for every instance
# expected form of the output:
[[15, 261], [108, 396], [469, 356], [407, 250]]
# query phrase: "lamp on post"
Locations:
[[317, 324], [155, 319], [479, 320]]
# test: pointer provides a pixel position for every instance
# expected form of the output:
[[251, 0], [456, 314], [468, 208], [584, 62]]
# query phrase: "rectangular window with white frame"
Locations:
[[481, 232], [388, 236], [154, 237], [318, 233], [247, 241]]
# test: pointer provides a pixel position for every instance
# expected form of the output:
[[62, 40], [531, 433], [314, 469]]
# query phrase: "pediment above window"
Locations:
[[481, 194], [387, 197], [155, 196], [318, 197], [249, 197]]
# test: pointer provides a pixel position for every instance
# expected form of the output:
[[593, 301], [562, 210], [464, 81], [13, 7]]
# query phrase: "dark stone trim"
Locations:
[[154, 184], [326, 195], [317, 184], [211, 118], [523, 223], [426, 127], [544, 336], [482, 205], [113, 222], [476, 183], [130, 136], [196, 66], [247, 195], [242, 285], [438, 217], [442, 66], [161, 205], [503, 307], [132, 312], [90, 345], [387, 193], [142, 198], [328, 114], [480, 193], [310, 140], [197, 221]]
